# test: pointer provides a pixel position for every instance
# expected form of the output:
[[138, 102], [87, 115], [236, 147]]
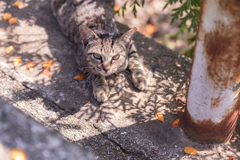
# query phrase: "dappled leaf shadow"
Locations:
[[127, 108]]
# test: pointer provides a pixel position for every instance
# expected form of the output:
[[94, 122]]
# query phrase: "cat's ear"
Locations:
[[127, 37], [86, 34]]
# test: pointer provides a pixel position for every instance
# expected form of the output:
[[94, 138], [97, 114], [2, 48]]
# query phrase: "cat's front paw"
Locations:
[[140, 82], [101, 94]]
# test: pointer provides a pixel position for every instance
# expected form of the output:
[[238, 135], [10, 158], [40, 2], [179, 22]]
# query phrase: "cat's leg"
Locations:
[[56, 5], [100, 88], [135, 66]]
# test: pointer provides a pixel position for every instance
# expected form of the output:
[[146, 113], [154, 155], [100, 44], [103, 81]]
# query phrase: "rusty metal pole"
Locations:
[[213, 95]]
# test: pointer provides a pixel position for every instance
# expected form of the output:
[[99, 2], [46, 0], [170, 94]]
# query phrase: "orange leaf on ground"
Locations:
[[12, 20], [238, 78], [150, 28], [17, 62], [6, 16], [9, 49], [18, 4], [17, 154], [190, 150], [48, 64], [159, 116], [116, 8], [79, 77], [234, 158], [176, 123], [46, 72], [30, 66]]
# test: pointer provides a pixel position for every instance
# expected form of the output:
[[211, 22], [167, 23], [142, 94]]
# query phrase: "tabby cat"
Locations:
[[102, 51]]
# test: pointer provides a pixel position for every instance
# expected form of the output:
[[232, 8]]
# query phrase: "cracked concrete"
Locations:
[[125, 126]]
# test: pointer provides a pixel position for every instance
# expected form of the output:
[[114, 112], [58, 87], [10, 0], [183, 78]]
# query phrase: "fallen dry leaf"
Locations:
[[46, 72], [79, 77], [30, 66], [190, 150], [234, 158], [176, 123], [238, 78], [9, 49], [12, 20], [17, 61], [150, 28], [159, 116], [116, 8], [17, 154], [48, 64], [18, 4], [6, 16]]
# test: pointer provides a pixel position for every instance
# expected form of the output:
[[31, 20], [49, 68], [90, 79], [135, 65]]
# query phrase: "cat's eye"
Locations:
[[116, 57], [97, 56]]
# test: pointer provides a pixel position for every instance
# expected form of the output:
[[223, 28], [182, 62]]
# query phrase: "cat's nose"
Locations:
[[106, 69], [106, 66]]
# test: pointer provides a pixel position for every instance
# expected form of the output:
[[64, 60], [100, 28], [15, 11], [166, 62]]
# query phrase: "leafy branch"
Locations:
[[134, 4], [191, 8]]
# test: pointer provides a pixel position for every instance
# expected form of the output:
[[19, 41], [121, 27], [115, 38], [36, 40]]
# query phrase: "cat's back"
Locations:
[[98, 15]]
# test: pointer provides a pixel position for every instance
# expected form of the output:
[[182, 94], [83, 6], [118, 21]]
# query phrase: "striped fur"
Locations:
[[91, 25]]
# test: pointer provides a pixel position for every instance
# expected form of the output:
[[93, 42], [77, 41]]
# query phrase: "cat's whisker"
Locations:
[[86, 67]]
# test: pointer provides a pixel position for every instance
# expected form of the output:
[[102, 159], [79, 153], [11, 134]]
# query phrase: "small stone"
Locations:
[[119, 86]]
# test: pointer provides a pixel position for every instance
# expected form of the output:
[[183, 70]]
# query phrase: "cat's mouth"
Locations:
[[103, 72]]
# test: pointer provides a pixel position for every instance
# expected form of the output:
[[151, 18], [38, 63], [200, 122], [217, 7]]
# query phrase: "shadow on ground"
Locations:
[[127, 120], [36, 17]]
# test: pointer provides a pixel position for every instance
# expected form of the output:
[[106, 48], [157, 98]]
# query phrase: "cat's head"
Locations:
[[107, 55]]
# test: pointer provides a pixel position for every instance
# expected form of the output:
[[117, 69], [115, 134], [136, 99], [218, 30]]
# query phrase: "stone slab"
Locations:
[[125, 126], [17, 130]]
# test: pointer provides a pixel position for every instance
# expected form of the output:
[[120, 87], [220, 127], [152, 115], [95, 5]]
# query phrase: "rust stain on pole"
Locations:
[[213, 97], [223, 58], [223, 48], [207, 131], [215, 102]]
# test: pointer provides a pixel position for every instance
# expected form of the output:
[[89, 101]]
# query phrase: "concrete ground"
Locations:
[[125, 126]]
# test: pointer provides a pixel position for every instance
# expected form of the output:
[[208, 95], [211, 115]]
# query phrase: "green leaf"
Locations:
[[172, 20], [170, 2], [134, 11], [188, 3], [123, 12], [165, 6], [124, 8], [136, 2], [143, 1], [116, 12]]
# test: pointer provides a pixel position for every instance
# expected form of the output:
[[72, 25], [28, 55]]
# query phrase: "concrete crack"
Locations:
[[47, 100], [140, 155]]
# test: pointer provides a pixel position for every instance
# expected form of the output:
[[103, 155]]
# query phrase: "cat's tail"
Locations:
[[56, 5]]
